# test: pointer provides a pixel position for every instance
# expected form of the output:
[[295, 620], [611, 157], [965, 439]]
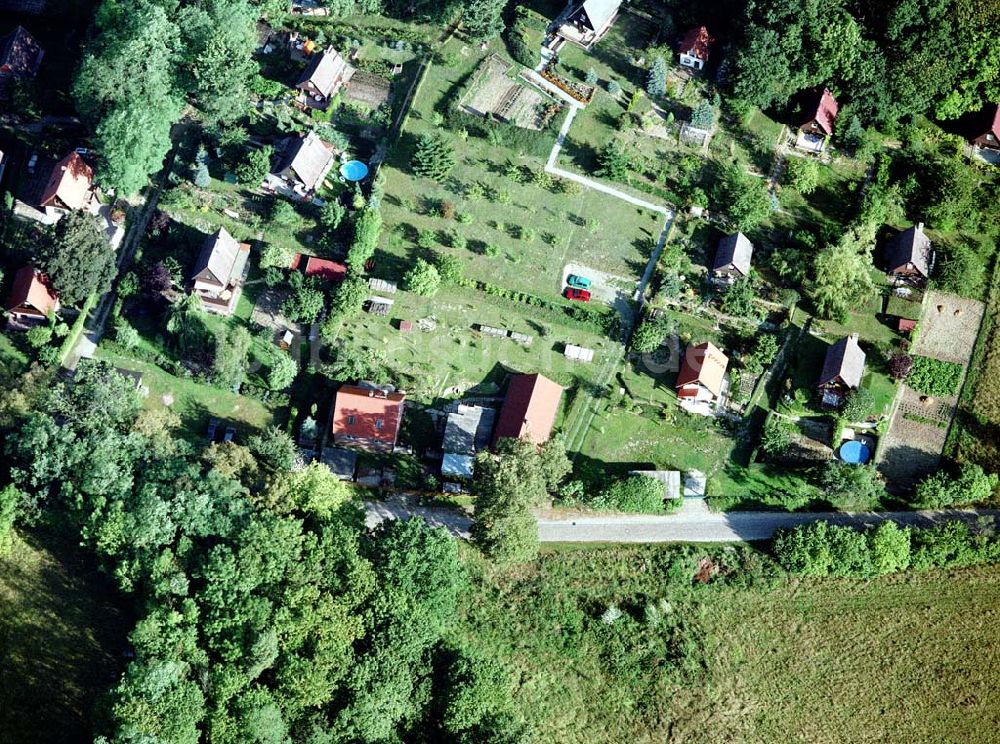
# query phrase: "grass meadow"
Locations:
[[61, 640], [903, 658]]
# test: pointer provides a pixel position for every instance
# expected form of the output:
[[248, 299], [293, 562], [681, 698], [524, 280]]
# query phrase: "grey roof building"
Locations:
[[218, 271], [324, 75], [306, 161], [20, 54], [732, 258], [843, 369], [909, 253], [467, 431], [587, 22]]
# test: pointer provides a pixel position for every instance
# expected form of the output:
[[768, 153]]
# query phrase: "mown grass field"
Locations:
[[61, 639], [910, 658], [456, 355]]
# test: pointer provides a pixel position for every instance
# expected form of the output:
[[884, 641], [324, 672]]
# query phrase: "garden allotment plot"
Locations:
[[919, 426], [515, 229]]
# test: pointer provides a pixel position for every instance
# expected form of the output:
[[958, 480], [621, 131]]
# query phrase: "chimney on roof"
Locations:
[[371, 393], [920, 227]]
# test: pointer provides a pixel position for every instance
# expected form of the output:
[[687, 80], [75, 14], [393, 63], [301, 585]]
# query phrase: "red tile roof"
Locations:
[[826, 112], [69, 185], [696, 43], [529, 410], [704, 364], [324, 269], [361, 414], [995, 124], [906, 325], [32, 289]]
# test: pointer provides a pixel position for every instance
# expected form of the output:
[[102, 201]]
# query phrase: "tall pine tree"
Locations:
[[434, 157]]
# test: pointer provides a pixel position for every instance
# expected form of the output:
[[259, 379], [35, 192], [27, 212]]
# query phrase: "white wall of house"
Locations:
[[690, 61]]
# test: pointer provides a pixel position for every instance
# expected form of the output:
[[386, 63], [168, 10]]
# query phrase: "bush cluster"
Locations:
[[821, 549], [934, 377], [636, 493]]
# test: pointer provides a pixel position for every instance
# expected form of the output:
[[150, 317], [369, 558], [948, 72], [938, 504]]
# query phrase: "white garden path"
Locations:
[[667, 212]]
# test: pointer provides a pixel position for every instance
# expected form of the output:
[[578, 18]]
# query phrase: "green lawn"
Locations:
[[455, 354], [831, 205], [866, 322], [646, 430], [61, 641], [195, 402]]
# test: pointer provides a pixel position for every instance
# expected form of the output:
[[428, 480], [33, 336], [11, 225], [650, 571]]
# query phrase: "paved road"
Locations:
[[694, 523], [455, 521]]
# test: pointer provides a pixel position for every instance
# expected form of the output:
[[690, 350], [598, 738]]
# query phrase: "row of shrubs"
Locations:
[[637, 494], [821, 549], [602, 322]]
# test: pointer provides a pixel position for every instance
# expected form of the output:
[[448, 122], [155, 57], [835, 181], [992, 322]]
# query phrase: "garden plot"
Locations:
[[949, 328], [494, 93], [913, 444], [919, 427]]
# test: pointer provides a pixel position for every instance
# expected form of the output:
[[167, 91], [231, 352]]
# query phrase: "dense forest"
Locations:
[[264, 607], [887, 60]]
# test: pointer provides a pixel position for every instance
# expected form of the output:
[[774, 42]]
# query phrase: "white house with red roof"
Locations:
[[694, 48], [367, 417], [817, 129], [701, 382], [32, 298]]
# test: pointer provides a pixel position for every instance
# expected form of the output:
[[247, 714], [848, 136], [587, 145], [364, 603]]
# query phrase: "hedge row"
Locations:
[[603, 322], [821, 549]]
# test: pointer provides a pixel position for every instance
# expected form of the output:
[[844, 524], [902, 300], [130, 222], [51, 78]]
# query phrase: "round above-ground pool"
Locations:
[[855, 453], [353, 170]]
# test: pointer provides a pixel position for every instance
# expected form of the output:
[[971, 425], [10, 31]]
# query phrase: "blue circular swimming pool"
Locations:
[[855, 453], [353, 170]]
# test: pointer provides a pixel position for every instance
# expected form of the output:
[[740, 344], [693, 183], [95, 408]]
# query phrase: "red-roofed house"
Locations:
[[367, 418], [814, 132], [990, 139], [32, 297], [529, 409], [69, 186], [701, 380], [694, 48], [330, 271]]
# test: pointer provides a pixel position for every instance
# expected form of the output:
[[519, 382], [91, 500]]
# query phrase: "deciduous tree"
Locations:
[[78, 258], [422, 278]]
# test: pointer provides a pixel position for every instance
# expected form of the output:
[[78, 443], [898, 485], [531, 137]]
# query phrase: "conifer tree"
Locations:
[[434, 157], [656, 83]]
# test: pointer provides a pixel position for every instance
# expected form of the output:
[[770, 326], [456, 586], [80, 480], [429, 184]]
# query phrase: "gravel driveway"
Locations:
[[610, 289]]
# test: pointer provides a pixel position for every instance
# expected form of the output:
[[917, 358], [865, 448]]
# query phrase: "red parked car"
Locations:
[[572, 293]]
